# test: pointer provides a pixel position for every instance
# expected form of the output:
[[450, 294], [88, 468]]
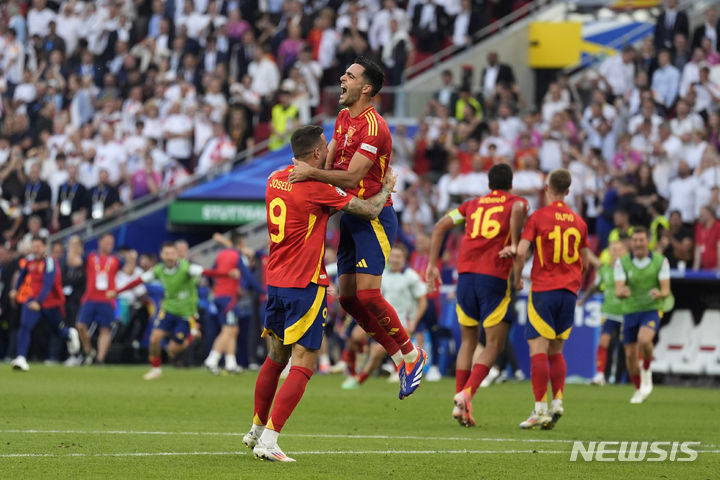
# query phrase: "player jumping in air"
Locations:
[[492, 231], [642, 280], [297, 216], [358, 157], [560, 238]]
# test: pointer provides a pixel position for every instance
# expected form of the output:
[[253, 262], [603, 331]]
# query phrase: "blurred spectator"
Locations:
[[617, 73], [447, 94], [682, 193], [677, 242], [496, 74], [710, 29], [284, 121], [217, 151], [430, 24], [707, 240], [37, 196], [146, 181], [665, 81], [397, 53], [103, 199], [380, 33], [71, 199], [670, 22]]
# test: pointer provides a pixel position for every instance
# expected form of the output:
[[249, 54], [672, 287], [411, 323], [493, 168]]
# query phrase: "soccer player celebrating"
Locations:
[[39, 290], [179, 280], [561, 249], [611, 309], [101, 267], [232, 274], [358, 157], [297, 216], [642, 280], [493, 224]]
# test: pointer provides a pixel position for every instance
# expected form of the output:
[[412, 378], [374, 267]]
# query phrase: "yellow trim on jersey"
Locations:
[[295, 331], [538, 241], [267, 331], [372, 124], [311, 224], [316, 275], [539, 324], [464, 319], [361, 192], [383, 165], [499, 313], [381, 236]]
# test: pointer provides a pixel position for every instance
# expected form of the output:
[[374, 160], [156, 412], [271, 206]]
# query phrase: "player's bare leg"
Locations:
[[103, 344], [377, 354], [540, 376], [286, 400], [464, 361], [225, 343], [603, 344], [633, 369], [84, 339], [645, 355], [155, 353], [355, 345], [558, 372]]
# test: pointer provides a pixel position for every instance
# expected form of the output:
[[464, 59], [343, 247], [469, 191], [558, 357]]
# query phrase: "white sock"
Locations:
[[397, 358], [257, 430], [156, 369], [269, 437], [541, 407], [213, 358], [230, 362], [557, 402], [324, 359], [412, 356]]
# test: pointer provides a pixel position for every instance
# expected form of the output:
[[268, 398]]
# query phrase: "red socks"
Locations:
[[558, 371], [265, 386], [636, 381], [386, 317], [646, 362], [348, 356], [540, 375], [362, 377], [156, 361], [289, 396], [461, 378], [601, 359], [354, 306], [479, 372]]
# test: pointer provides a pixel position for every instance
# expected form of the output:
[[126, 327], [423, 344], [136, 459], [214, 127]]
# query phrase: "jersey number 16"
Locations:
[[483, 223]]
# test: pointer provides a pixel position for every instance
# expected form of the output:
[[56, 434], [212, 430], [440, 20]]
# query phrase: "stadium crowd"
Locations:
[[105, 102]]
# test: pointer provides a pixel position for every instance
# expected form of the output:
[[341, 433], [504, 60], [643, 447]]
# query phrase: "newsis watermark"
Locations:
[[626, 451]]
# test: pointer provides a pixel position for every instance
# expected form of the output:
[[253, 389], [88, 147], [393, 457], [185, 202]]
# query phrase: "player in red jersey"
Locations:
[[492, 231], [232, 277], [101, 267], [358, 158], [39, 291], [297, 216], [560, 239]]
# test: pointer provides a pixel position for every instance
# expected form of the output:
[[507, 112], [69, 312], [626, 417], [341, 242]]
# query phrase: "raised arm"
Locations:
[[350, 178], [371, 208]]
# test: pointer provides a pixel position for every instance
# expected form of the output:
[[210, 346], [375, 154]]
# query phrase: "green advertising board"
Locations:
[[211, 212]]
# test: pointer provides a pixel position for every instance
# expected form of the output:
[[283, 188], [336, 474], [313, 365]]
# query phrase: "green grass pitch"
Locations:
[[107, 422]]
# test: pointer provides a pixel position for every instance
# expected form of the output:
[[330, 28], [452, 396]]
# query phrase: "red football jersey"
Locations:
[[35, 272], [487, 231], [100, 271], [368, 134], [559, 235], [225, 261], [297, 216]]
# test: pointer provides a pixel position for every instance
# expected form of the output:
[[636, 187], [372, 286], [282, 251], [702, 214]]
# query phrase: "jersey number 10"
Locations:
[[561, 244]]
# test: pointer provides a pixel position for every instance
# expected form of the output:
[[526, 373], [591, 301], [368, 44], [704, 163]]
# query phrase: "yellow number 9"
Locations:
[[278, 220]]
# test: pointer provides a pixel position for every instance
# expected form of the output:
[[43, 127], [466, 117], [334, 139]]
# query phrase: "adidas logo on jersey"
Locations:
[[361, 264]]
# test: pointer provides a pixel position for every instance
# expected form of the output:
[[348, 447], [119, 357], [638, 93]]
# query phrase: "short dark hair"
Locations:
[[559, 180], [373, 73], [38, 238], [641, 229], [500, 177], [236, 237], [305, 139], [167, 244]]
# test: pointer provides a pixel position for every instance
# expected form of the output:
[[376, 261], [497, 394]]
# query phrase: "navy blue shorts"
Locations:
[[54, 316], [296, 315], [365, 244], [176, 326], [633, 321], [551, 314], [611, 326], [226, 311], [482, 299], [102, 313]]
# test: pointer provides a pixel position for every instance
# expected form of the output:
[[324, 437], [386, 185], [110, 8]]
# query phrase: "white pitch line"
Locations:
[[311, 452]]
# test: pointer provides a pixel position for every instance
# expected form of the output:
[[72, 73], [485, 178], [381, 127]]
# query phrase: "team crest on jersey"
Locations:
[[348, 136]]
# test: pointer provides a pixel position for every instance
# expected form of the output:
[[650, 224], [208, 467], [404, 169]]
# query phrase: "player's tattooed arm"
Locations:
[[371, 208]]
